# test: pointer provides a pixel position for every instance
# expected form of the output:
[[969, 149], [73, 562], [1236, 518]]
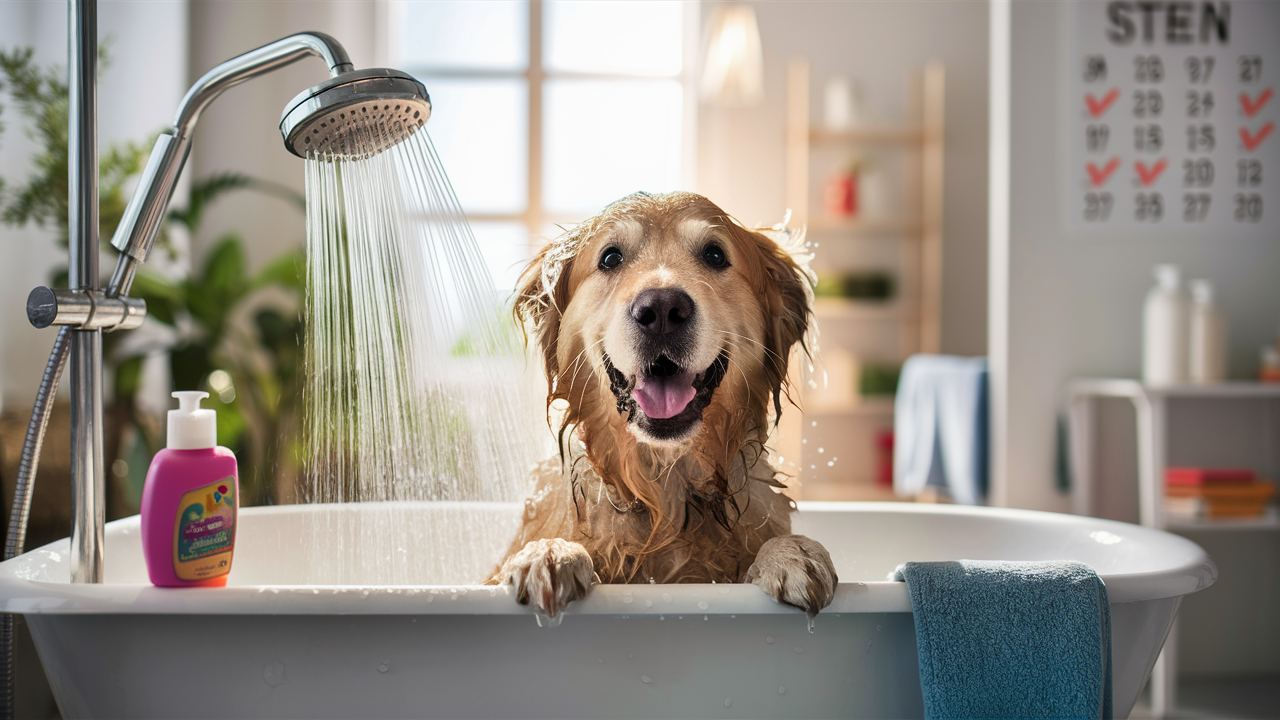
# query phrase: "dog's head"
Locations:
[[669, 315]]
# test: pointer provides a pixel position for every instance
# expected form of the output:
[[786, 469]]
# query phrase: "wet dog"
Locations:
[[665, 328]]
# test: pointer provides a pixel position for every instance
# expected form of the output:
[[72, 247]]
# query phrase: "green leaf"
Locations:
[[287, 271], [211, 297], [206, 190], [162, 296], [190, 365], [128, 377]]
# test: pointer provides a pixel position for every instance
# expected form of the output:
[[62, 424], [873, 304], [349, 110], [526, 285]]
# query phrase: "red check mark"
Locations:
[[1097, 107], [1099, 177], [1253, 141], [1148, 175], [1251, 107]]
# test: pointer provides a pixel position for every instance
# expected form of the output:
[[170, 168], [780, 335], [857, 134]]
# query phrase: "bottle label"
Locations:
[[206, 531]]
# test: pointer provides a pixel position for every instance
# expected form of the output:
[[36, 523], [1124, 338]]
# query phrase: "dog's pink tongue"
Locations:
[[664, 397]]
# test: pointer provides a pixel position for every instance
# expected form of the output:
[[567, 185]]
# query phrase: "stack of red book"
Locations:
[[1216, 493]]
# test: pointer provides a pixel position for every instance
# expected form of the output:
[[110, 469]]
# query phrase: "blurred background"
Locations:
[[922, 151]]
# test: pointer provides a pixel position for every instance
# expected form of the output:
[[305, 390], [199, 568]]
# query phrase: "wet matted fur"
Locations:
[[665, 328]]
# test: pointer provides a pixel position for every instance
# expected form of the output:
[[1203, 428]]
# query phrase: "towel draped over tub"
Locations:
[[1000, 639]]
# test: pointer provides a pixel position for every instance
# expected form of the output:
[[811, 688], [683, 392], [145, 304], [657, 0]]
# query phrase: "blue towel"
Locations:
[[1011, 639], [940, 427]]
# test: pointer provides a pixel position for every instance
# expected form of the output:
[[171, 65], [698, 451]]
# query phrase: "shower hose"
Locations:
[[21, 509]]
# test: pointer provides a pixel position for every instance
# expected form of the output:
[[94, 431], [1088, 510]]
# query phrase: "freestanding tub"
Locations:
[[269, 646]]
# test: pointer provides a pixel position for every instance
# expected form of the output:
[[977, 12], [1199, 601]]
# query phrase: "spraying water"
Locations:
[[416, 388]]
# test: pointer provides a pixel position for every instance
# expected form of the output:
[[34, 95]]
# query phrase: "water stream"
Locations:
[[416, 386]]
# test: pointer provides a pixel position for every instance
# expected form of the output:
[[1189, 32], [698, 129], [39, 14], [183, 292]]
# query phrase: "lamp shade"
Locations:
[[733, 74]]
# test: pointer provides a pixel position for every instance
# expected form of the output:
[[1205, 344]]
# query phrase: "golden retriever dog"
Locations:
[[666, 327]]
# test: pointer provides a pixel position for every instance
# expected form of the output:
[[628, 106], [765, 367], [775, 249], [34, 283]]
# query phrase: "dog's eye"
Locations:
[[611, 259], [714, 256]]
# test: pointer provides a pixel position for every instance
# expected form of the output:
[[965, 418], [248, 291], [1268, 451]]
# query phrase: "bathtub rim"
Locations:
[[20, 594]]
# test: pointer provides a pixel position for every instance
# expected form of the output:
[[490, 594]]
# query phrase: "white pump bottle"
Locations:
[[1208, 336], [1165, 329]]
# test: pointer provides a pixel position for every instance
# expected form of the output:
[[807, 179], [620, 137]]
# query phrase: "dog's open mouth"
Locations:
[[670, 398]]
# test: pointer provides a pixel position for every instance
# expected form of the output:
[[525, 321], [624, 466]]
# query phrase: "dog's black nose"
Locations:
[[659, 311]]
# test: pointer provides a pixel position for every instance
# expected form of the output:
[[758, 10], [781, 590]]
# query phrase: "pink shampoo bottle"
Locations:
[[190, 500]]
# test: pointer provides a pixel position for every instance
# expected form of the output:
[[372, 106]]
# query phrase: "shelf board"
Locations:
[[863, 407], [867, 134], [837, 308], [1135, 388], [858, 226], [1270, 521]]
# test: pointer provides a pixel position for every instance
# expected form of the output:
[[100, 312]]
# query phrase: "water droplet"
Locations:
[[679, 617], [273, 673], [629, 656], [646, 679], [804, 441], [799, 650], [627, 598], [666, 597], [702, 605], [813, 424], [782, 690], [383, 667], [723, 590], [704, 617], [728, 702], [662, 617], [599, 661], [830, 463], [877, 628], [768, 639], [821, 450], [648, 603]]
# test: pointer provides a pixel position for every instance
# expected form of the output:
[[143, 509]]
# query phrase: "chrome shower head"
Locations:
[[356, 114]]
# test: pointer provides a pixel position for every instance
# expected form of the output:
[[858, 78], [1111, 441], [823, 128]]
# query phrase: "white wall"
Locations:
[[137, 95], [1066, 307], [883, 45], [240, 131]]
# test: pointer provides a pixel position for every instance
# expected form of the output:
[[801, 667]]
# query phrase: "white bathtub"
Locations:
[[266, 646]]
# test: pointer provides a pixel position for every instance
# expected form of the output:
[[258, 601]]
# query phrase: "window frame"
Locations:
[[389, 22]]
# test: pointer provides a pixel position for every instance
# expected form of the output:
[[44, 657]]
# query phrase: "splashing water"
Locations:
[[415, 388]]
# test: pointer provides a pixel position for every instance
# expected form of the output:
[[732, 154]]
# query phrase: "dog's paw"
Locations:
[[550, 573], [795, 571]]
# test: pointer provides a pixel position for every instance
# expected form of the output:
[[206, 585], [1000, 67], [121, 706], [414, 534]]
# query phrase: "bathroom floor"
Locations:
[[1254, 698]]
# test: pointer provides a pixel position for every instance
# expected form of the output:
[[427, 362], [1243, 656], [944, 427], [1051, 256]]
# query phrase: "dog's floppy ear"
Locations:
[[542, 293], [537, 310], [788, 304]]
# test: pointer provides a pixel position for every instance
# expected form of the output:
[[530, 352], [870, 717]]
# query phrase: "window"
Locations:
[[544, 111]]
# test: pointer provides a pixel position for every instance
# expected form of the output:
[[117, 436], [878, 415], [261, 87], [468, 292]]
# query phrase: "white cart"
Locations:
[[1155, 407]]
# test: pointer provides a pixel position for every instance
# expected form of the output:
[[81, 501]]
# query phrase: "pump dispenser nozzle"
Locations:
[[190, 426]]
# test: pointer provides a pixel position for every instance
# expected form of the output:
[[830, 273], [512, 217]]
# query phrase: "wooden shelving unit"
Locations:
[[912, 317], [921, 281]]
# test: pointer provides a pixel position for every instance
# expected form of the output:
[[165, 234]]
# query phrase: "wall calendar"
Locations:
[[1172, 115]]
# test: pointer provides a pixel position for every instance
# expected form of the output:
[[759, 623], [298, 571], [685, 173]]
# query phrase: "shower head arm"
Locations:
[[254, 63], [145, 212]]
